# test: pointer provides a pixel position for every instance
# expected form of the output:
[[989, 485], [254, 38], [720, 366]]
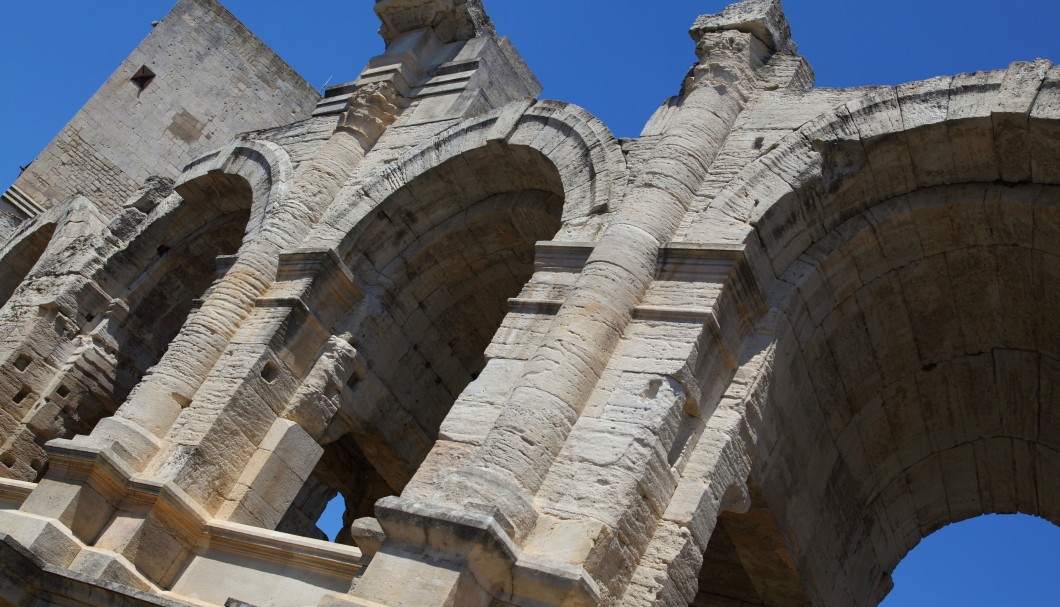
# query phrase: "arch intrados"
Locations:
[[41, 242], [433, 198], [462, 279], [890, 142], [498, 207], [576, 153], [431, 317], [212, 200], [1022, 504], [889, 479], [874, 244], [942, 486], [18, 258], [262, 165], [821, 298], [247, 177], [1004, 215], [29, 232], [405, 267], [155, 272], [458, 262]]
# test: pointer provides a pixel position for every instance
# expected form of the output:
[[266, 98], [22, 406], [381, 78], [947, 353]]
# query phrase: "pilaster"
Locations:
[[589, 443]]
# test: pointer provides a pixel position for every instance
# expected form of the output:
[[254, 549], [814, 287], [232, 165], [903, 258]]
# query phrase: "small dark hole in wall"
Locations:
[[929, 367], [90, 317], [331, 391], [7, 459], [143, 77], [162, 250], [63, 391], [22, 362], [269, 372], [22, 394]]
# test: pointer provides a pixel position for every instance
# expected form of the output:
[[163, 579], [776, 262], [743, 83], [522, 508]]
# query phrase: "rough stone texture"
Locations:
[[8, 224], [751, 357]]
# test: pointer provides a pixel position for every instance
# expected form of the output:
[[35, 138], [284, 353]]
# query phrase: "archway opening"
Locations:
[[343, 487], [987, 560], [98, 357], [747, 562], [439, 271], [21, 258], [915, 383], [158, 301]]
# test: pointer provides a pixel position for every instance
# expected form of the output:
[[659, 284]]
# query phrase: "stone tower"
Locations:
[[750, 357]]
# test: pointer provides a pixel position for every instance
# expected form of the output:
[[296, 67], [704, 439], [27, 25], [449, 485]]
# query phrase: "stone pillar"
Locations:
[[557, 381], [286, 363], [144, 420], [494, 492]]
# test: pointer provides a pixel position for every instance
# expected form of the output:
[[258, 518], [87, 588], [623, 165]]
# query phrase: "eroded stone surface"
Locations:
[[749, 358]]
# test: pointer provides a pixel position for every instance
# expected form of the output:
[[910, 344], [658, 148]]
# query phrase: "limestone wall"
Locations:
[[747, 359]]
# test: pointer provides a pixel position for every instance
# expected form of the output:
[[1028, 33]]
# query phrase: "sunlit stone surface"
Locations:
[[750, 357]]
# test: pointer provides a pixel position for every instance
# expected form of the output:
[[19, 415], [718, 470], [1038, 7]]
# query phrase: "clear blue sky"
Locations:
[[619, 59]]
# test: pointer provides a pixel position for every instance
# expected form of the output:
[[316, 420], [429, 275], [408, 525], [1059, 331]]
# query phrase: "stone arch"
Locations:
[[998, 126], [31, 241], [39, 263], [20, 255], [910, 227], [249, 177], [156, 259], [453, 226], [914, 376], [262, 165], [547, 136], [184, 246]]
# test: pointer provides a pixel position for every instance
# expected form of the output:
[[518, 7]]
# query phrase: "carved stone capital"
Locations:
[[452, 20], [763, 18], [373, 108]]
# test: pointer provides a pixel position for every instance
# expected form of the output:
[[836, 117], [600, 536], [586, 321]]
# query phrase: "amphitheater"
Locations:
[[750, 357]]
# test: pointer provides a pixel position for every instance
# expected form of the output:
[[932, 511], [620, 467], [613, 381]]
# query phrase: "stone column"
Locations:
[[485, 510]]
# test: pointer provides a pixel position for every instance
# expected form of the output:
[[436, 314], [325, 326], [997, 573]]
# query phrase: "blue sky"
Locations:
[[619, 59], [989, 561]]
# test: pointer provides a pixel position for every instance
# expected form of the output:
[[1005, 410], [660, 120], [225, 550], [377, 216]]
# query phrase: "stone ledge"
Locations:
[[468, 537], [93, 466], [29, 581], [14, 492], [22, 202], [273, 546]]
